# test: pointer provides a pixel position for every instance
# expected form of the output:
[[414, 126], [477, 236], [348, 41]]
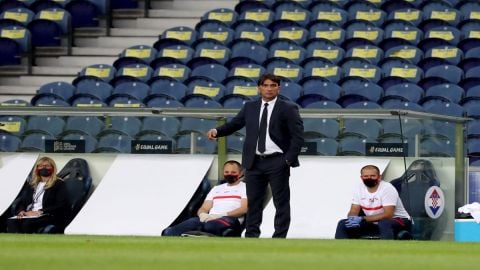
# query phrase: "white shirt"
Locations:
[[270, 146], [226, 198], [372, 203], [38, 197]]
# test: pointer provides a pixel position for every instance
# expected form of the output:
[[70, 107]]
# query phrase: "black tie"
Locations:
[[262, 134]]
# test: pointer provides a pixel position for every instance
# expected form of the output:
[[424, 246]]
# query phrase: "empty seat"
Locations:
[[184, 34], [214, 29], [167, 126], [316, 127], [287, 49], [14, 125], [225, 15], [35, 142], [203, 145], [9, 142], [250, 29], [52, 125], [113, 143], [89, 125], [90, 142], [123, 125], [361, 128]]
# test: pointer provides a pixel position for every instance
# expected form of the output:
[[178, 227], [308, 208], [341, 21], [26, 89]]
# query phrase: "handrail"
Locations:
[[222, 113]]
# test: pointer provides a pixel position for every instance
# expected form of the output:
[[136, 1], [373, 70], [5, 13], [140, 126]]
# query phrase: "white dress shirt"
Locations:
[[270, 146]]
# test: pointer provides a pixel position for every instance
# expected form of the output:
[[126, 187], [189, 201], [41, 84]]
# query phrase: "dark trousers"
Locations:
[[28, 225], [273, 171], [385, 229], [216, 226]]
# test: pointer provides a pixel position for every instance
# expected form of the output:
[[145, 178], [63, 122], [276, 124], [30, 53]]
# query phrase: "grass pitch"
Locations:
[[101, 252]]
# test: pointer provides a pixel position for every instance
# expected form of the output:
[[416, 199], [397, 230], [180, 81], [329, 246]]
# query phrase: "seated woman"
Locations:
[[43, 201], [222, 210]]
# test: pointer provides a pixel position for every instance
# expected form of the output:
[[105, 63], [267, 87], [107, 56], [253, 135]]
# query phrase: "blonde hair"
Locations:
[[51, 179]]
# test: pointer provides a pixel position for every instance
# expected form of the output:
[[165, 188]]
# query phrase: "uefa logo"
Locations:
[[434, 202]]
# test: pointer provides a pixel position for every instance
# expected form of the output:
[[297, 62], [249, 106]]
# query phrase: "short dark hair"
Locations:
[[370, 167], [268, 76], [233, 162]]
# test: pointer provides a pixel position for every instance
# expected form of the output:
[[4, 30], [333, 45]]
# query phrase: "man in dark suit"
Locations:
[[272, 144]]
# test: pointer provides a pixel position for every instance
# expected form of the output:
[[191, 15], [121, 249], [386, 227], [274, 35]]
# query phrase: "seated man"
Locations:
[[223, 209], [384, 212]]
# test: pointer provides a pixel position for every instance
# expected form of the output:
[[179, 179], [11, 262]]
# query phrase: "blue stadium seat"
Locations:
[[183, 34], [166, 86], [88, 125], [137, 90], [100, 89], [168, 126], [446, 92], [317, 89], [473, 73], [49, 26], [323, 104], [449, 72], [15, 102], [244, 50], [293, 33], [451, 54], [9, 142], [436, 147], [124, 125], [284, 68], [371, 53], [239, 89], [261, 15], [216, 72], [235, 144], [287, 49], [34, 142], [254, 30], [53, 125], [363, 70], [124, 101], [409, 92], [19, 34], [448, 33], [363, 30], [290, 90], [214, 29], [325, 146], [63, 89], [84, 13], [153, 101], [201, 102], [11, 52], [21, 15], [403, 30], [203, 145], [396, 104], [250, 70], [328, 11], [292, 11], [183, 53], [364, 10], [361, 128], [132, 73], [321, 68], [90, 142], [204, 88], [407, 52], [400, 68], [320, 128], [445, 108], [7, 4], [327, 31], [225, 15], [363, 105], [102, 72], [319, 48], [468, 9], [352, 147], [113, 143], [39, 5], [355, 89], [49, 100], [246, 5], [14, 125], [177, 71], [406, 128], [208, 48], [138, 54]]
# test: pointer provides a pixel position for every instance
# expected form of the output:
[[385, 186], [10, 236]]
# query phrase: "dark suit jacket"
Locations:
[[285, 129], [55, 201]]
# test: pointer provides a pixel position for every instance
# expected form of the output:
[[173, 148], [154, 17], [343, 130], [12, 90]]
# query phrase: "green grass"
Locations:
[[40, 252]]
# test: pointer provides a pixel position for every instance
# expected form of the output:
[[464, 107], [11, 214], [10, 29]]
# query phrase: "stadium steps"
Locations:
[[92, 46]]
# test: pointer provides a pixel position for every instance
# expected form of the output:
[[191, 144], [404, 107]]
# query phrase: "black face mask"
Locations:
[[230, 178], [370, 182], [45, 172]]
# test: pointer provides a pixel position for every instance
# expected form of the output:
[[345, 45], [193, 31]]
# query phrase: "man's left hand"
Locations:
[[353, 222]]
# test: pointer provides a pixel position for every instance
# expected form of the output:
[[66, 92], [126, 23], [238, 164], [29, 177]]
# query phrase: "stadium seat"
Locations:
[[211, 49], [90, 142], [327, 31], [320, 128], [153, 101], [49, 26], [407, 52], [451, 73], [22, 15], [284, 68], [247, 49], [321, 68], [328, 11], [287, 49], [123, 125], [19, 34], [352, 147], [89, 125], [325, 146], [204, 88], [261, 15], [316, 89], [84, 13], [183, 53], [53, 125], [364, 10], [216, 72], [166, 126], [356, 89], [319, 48], [14, 125], [183, 34], [446, 92], [113, 143], [254, 30], [214, 29], [290, 90], [363, 105], [177, 71], [96, 72], [225, 15], [405, 92], [409, 14], [9, 142], [168, 87], [35, 142], [361, 128], [203, 145], [11, 52], [138, 54], [371, 53], [132, 73], [294, 33], [406, 128], [63, 89], [324, 104], [98, 89]]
